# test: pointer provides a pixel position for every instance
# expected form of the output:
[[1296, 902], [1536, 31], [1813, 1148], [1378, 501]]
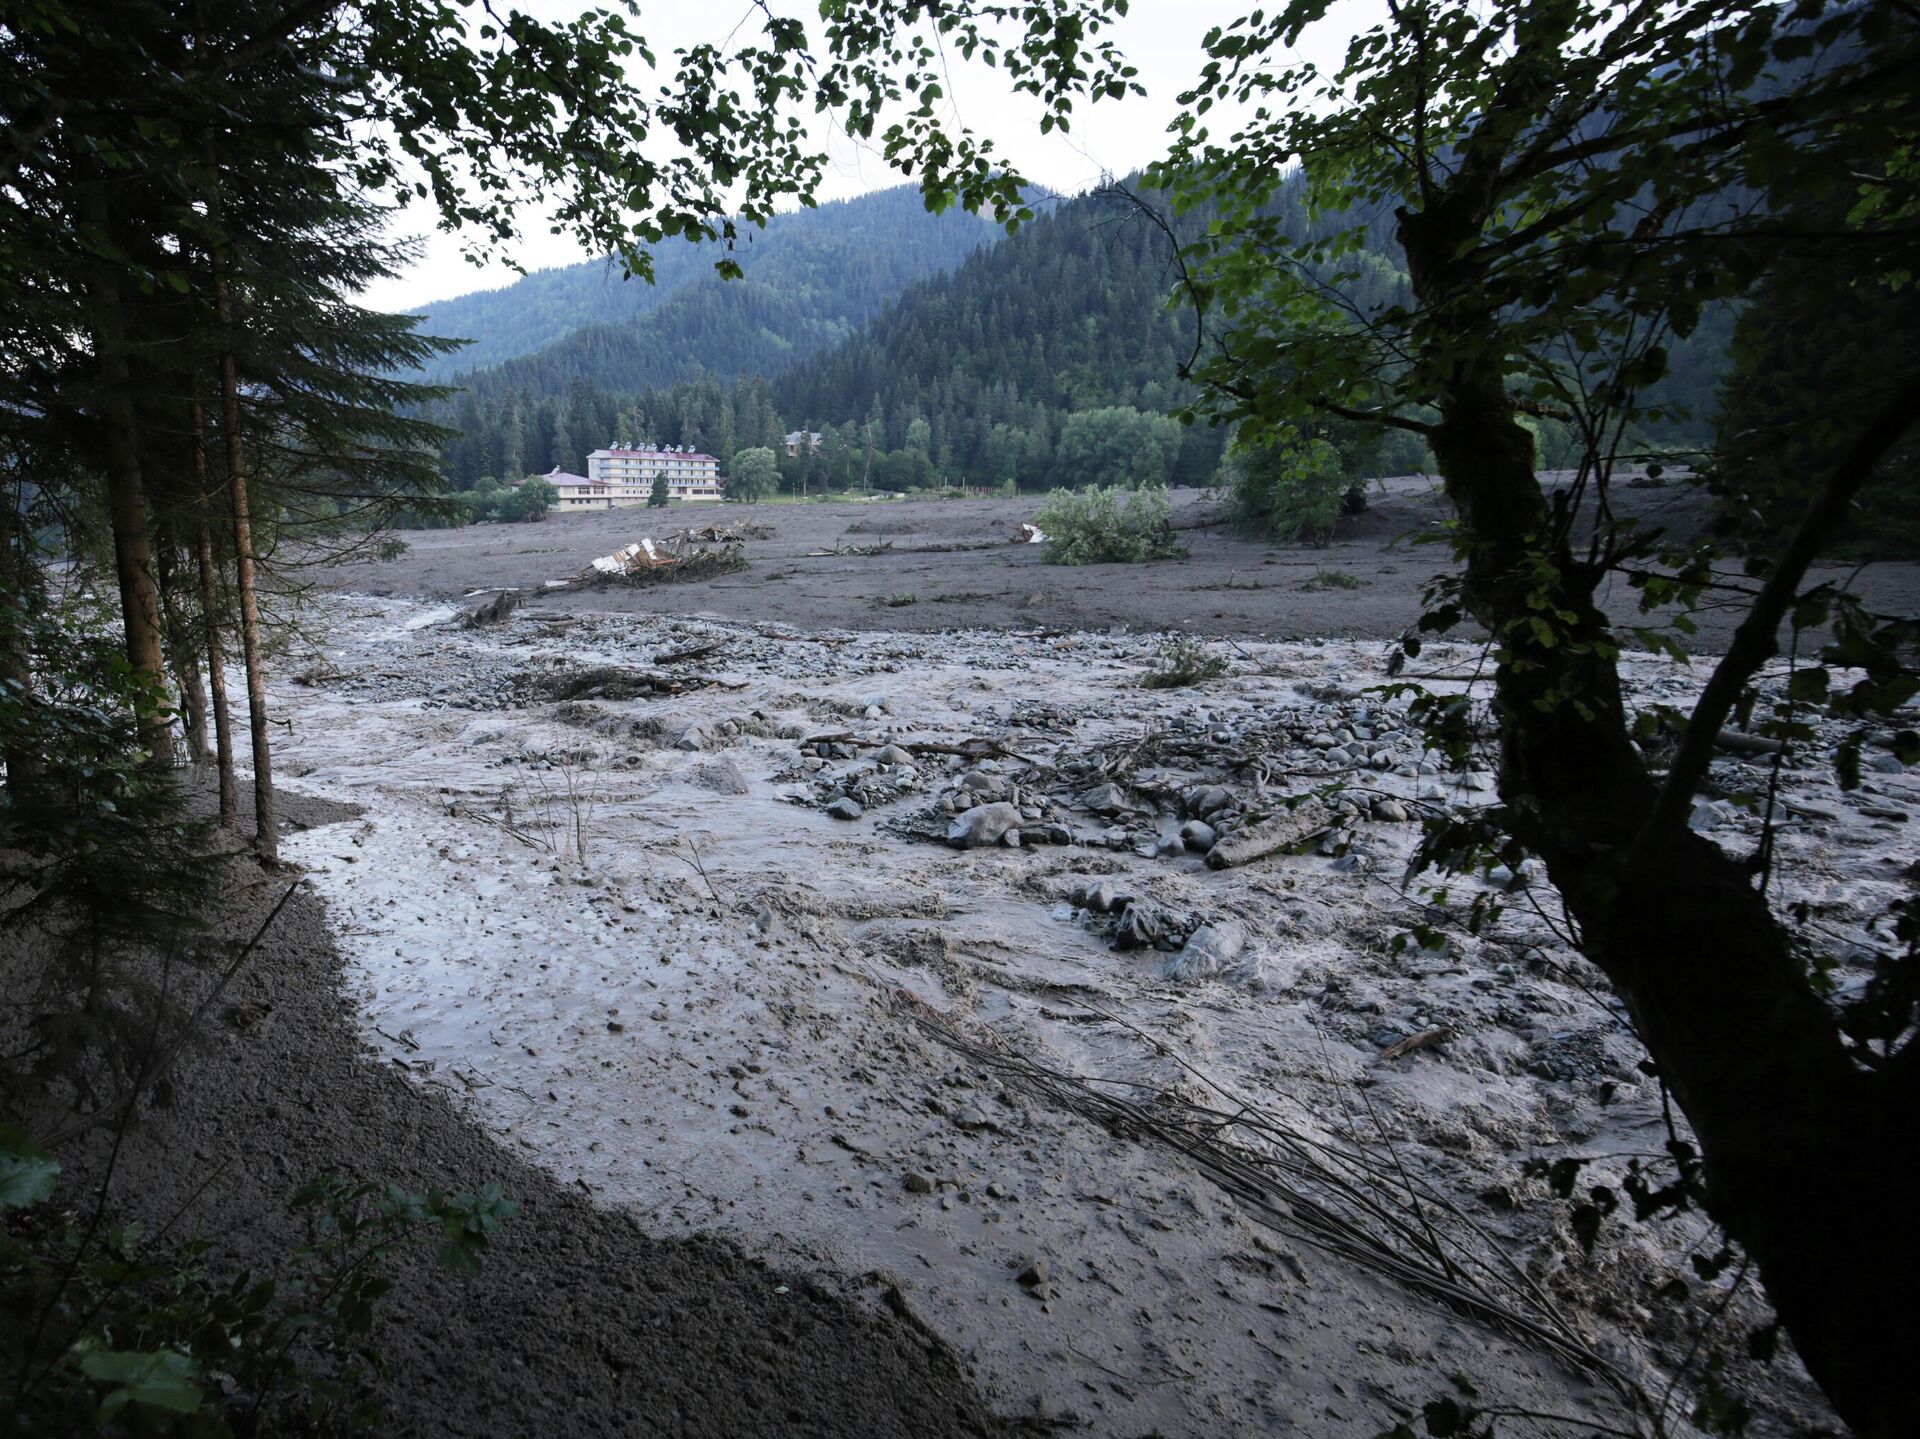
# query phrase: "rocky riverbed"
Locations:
[[1070, 1015]]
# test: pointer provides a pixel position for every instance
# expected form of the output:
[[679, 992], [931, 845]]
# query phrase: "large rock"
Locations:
[[983, 825], [1197, 834], [1102, 896], [722, 776], [1139, 928], [1107, 799], [1211, 950]]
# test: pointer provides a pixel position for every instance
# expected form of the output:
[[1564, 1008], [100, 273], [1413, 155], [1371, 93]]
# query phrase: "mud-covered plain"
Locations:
[[930, 565], [897, 955]]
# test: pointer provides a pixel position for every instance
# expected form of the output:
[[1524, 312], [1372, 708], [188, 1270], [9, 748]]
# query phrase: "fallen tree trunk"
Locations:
[[1283, 831]]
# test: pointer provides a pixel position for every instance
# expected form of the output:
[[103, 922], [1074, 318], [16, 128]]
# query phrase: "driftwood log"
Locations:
[[1283, 831]]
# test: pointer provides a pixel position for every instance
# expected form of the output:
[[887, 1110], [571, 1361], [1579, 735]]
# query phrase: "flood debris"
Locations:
[[691, 554], [1283, 831], [1171, 1078], [491, 610]]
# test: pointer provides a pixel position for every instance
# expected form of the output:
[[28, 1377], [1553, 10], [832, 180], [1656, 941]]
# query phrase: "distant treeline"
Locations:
[[1053, 358]]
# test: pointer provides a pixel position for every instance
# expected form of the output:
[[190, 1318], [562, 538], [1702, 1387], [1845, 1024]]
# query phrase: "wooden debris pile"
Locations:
[[690, 554]]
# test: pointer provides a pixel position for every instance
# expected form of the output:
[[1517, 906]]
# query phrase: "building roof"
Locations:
[[562, 480], [651, 455]]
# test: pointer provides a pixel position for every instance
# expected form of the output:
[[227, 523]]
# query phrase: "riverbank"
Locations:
[[581, 1322]]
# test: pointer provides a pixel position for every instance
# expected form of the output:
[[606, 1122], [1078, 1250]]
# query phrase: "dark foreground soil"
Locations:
[[580, 1324], [951, 564]]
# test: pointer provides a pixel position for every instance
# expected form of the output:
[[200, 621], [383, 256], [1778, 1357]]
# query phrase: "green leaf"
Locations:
[[27, 1172], [164, 1380]]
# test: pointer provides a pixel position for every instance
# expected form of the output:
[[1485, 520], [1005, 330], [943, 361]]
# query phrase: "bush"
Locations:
[[1183, 661], [1112, 525], [530, 502], [103, 1331], [1333, 580], [97, 849], [1293, 488]]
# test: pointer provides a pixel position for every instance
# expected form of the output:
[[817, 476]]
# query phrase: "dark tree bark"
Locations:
[[210, 621], [19, 592], [183, 653], [1803, 1151], [126, 492]]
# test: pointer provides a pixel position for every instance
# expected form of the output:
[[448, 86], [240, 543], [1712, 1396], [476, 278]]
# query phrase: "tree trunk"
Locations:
[[126, 493], [265, 834], [1802, 1150], [210, 620], [19, 598], [182, 651]]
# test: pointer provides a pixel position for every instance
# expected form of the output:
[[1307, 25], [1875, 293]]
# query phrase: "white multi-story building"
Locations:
[[629, 474]]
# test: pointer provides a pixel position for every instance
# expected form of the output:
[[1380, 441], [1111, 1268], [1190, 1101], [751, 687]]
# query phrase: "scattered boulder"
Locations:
[[722, 776], [1211, 950], [1107, 799], [1139, 928], [983, 825], [845, 807], [1198, 835], [1102, 896], [1209, 801]]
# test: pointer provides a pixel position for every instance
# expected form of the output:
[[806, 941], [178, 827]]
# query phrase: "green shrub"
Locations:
[[105, 1331], [530, 501], [1333, 580], [1183, 661], [98, 850], [1293, 488], [1110, 525]]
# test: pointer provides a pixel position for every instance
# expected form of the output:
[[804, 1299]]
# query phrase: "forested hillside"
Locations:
[[809, 273], [967, 377], [1036, 361]]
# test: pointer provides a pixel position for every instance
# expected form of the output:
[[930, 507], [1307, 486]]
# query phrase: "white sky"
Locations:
[[1162, 38]]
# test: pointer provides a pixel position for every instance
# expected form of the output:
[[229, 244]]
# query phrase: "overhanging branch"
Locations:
[[1756, 641]]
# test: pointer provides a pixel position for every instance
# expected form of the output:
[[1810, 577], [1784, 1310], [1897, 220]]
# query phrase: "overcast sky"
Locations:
[[1160, 37]]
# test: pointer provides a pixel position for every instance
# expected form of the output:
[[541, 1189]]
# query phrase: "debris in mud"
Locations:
[[492, 610], [694, 554], [1283, 831], [611, 682], [1098, 989], [1030, 534]]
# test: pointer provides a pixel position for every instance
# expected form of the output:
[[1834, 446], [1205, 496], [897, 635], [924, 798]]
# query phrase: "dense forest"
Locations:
[[566, 340], [969, 377], [1023, 365]]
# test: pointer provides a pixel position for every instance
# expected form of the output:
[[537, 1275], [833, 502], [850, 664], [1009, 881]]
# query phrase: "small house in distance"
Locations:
[[577, 492], [804, 439], [629, 474]]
